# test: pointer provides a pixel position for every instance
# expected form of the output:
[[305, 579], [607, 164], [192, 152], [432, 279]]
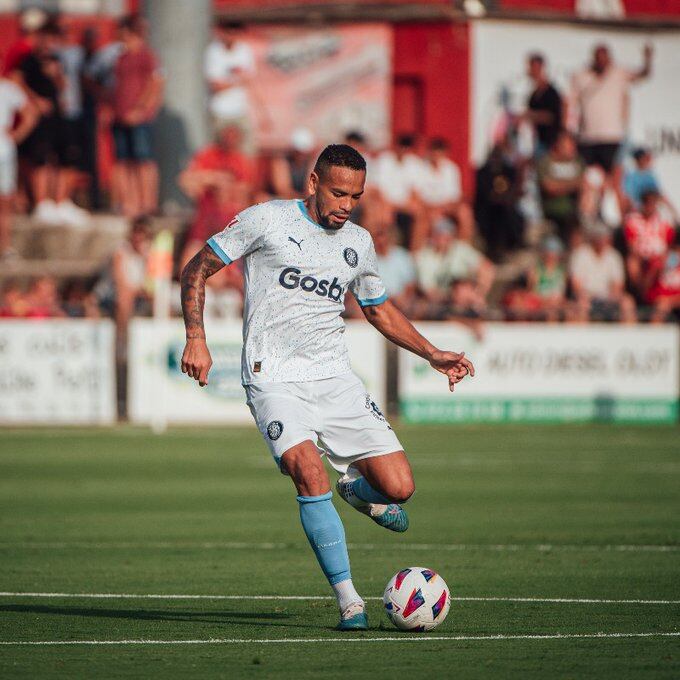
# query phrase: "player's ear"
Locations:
[[313, 183]]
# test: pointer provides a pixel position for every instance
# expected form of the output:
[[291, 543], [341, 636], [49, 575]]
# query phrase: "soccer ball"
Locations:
[[417, 599]]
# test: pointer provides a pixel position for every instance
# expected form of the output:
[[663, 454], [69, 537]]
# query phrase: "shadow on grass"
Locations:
[[237, 618]]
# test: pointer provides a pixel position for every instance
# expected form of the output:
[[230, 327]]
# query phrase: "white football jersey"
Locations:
[[296, 276]]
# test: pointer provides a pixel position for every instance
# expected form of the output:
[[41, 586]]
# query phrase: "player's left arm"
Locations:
[[399, 330]]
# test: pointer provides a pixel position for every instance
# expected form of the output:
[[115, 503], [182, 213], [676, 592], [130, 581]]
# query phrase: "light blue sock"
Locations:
[[365, 492], [325, 532]]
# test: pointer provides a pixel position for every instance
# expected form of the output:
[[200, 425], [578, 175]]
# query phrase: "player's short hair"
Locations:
[[340, 156]]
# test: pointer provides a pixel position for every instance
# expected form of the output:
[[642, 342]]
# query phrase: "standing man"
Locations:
[[601, 94], [544, 108], [137, 96], [301, 257]]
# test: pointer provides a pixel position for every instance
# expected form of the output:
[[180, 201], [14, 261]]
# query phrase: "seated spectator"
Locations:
[[79, 302], [219, 179], [397, 173], [290, 171], [463, 304], [648, 236], [521, 303], [497, 195], [124, 291], [13, 103], [439, 187], [396, 268], [13, 303], [663, 289], [447, 258], [547, 280], [643, 179], [597, 276], [560, 176], [42, 299]]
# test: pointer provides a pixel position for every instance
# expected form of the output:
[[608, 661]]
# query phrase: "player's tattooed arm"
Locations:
[[396, 327], [196, 359], [194, 275]]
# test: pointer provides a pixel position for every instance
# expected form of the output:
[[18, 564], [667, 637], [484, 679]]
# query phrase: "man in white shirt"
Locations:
[[598, 280], [601, 93], [300, 258], [229, 65], [396, 173], [439, 186], [13, 102]]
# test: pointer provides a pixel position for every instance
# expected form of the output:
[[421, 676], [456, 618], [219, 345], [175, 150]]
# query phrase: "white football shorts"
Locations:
[[337, 414]]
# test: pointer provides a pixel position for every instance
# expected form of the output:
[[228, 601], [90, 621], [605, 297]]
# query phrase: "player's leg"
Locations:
[[387, 477], [323, 528]]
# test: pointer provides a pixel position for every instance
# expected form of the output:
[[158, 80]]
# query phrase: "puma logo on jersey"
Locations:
[[291, 278], [297, 243]]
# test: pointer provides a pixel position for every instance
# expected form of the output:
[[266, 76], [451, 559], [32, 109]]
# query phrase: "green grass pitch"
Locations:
[[503, 513]]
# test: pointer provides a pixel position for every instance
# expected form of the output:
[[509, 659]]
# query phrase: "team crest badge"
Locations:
[[351, 257], [274, 430]]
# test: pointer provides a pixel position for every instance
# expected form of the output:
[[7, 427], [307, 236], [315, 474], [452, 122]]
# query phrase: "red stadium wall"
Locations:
[[432, 85]]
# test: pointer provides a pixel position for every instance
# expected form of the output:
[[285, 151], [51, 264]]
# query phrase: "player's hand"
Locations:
[[453, 365], [196, 360]]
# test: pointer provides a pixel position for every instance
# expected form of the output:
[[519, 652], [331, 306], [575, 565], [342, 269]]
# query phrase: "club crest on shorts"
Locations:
[[274, 430], [351, 257]]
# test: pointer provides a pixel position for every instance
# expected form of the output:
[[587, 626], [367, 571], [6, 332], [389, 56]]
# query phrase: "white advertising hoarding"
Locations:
[[543, 372], [498, 61], [55, 371], [155, 380]]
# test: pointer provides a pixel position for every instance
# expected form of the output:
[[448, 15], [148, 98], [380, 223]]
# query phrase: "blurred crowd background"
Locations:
[[563, 221]]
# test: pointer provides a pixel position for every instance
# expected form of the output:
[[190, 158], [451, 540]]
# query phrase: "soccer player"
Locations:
[[300, 258]]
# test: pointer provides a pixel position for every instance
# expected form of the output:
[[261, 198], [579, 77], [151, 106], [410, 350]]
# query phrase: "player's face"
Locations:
[[336, 193]]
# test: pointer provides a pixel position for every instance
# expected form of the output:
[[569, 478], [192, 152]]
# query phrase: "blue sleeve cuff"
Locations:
[[218, 251], [372, 301]]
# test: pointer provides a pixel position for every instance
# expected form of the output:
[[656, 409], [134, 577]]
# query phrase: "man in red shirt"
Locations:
[[648, 237], [136, 98]]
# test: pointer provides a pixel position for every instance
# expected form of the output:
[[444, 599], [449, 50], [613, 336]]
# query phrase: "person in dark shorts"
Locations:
[[544, 108], [137, 97]]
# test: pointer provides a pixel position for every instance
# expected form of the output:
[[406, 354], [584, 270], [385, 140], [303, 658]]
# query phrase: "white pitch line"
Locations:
[[403, 638], [242, 545], [158, 596]]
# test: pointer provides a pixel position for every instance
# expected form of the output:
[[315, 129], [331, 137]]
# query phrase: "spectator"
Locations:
[[560, 177], [290, 171], [397, 173], [600, 93], [137, 95], [396, 269], [439, 187], [497, 194], [229, 68], [46, 149], [13, 103], [521, 303], [642, 179], [648, 236], [447, 258], [547, 280], [31, 20], [463, 305], [598, 278], [544, 108], [664, 292], [13, 304], [79, 302], [42, 300], [219, 179]]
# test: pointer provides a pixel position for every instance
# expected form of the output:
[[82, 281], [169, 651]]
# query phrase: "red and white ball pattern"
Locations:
[[417, 599]]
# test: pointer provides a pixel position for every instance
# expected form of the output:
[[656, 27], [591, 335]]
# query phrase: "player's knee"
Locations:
[[401, 491]]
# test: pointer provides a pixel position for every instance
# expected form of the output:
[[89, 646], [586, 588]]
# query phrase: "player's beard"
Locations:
[[326, 221]]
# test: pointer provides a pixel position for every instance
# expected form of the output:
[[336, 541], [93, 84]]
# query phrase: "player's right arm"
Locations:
[[196, 360]]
